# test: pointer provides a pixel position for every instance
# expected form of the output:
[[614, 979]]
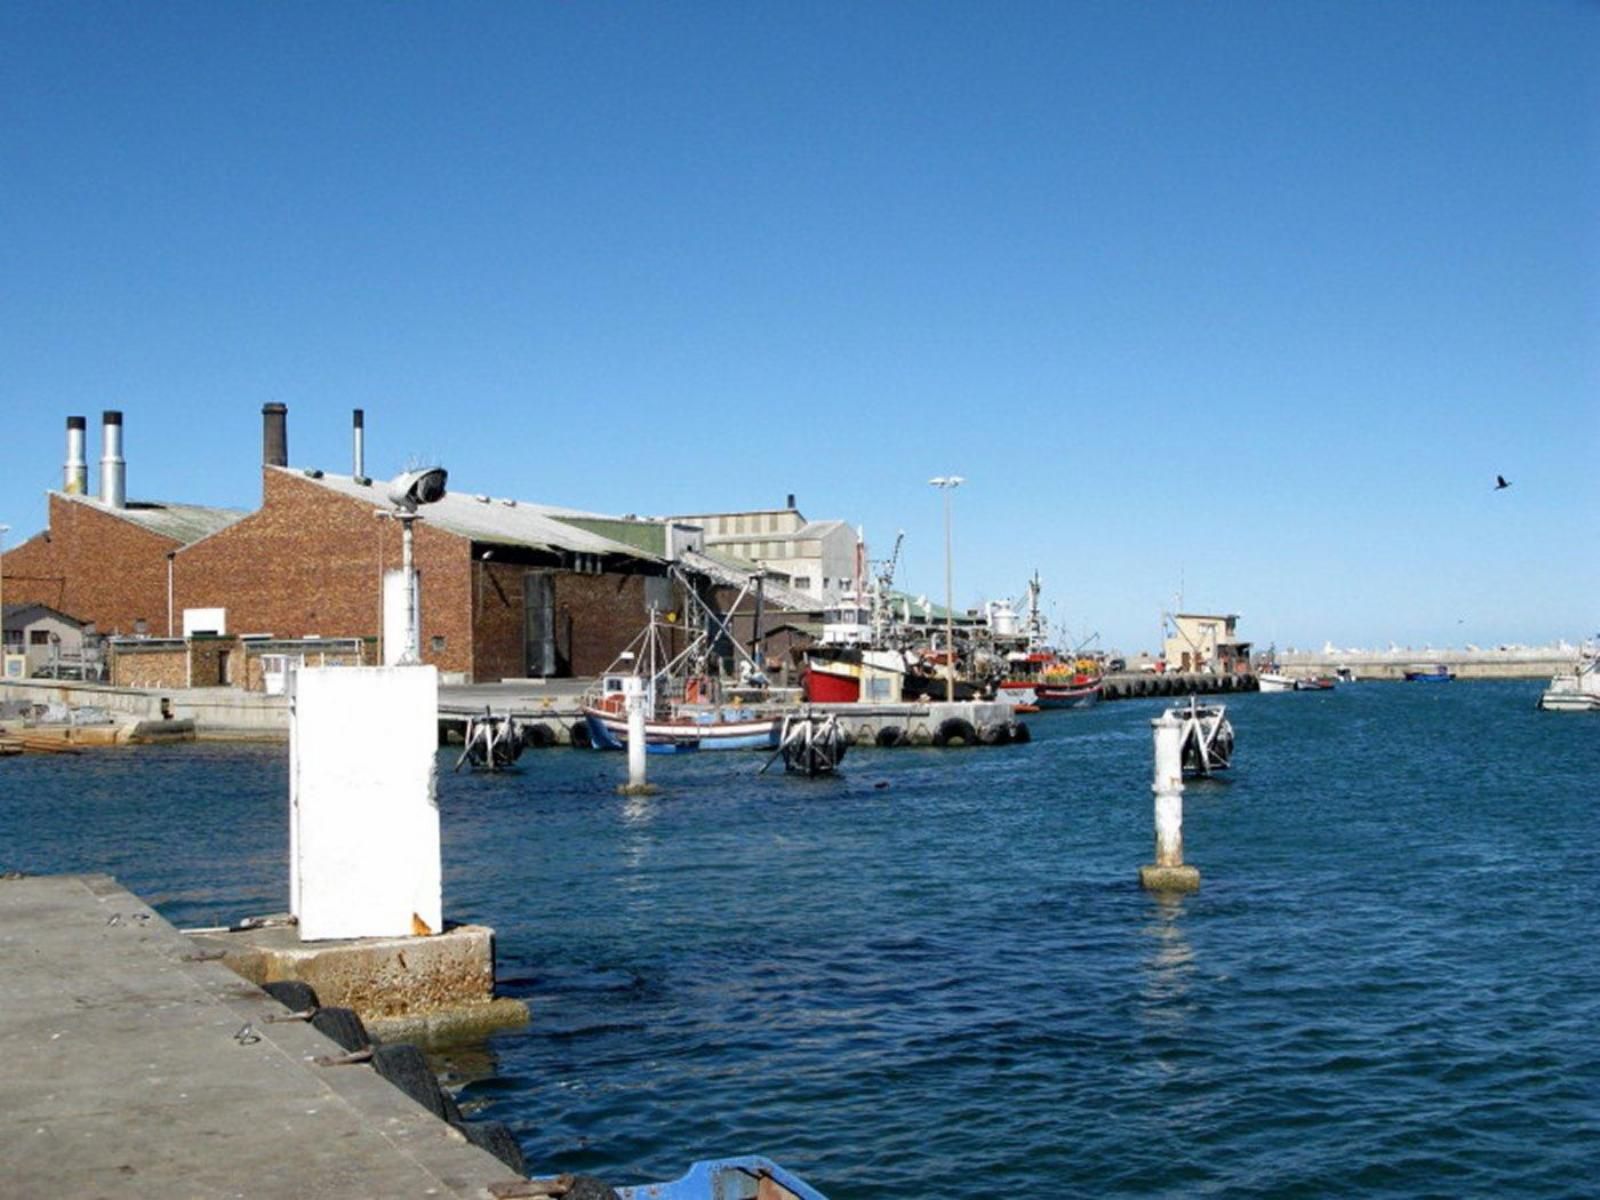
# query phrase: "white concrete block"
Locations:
[[363, 811]]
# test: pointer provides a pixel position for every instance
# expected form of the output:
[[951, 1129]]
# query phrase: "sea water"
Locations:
[[937, 974]]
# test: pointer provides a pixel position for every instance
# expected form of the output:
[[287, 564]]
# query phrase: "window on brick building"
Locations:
[[438, 644]]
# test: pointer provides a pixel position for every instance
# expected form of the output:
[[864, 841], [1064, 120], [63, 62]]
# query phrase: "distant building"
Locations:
[[507, 587], [815, 557], [1206, 642]]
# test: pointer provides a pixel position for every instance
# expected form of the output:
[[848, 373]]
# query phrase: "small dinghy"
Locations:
[[1207, 737], [810, 744], [492, 744]]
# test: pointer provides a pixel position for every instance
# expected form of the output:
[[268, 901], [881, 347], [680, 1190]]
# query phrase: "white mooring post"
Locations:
[[634, 697], [1168, 873], [364, 855]]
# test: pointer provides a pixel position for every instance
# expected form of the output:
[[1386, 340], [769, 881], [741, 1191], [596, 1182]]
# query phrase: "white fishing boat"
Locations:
[[1273, 681], [683, 694], [1577, 690]]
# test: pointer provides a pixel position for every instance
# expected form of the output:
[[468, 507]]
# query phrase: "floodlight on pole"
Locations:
[[4, 529], [948, 484], [406, 492]]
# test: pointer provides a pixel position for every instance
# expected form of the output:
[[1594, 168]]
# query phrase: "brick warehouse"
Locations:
[[508, 588]]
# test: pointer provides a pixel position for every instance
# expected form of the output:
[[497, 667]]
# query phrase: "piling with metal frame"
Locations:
[[1168, 873]]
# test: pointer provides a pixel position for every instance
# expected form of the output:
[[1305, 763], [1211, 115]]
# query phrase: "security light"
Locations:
[[423, 486]]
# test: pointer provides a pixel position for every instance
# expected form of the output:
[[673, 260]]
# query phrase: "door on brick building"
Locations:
[[539, 603]]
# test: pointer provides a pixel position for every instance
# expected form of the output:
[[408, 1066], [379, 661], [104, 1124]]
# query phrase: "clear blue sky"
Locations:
[[1255, 297]]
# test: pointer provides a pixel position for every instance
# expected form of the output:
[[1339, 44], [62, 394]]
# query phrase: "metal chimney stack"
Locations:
[[76, 481], [275, 435], [113, 469], [358, 431]]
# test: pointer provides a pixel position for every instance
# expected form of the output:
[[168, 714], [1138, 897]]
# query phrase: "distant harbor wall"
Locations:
[[1513, 662]]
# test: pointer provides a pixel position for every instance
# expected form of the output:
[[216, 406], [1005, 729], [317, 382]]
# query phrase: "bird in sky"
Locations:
[[1500, 482]]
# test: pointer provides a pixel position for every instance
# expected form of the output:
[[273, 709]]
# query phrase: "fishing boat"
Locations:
[[1316, 683], [1039, 676], [1275, 681], [681, 694], [1428, 673], [1207, 745], [1577, 690]]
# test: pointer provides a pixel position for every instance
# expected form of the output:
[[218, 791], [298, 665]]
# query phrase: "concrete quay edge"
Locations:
[[128, 1069]]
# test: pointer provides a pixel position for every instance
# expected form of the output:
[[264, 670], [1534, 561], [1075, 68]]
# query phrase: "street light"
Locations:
[[948, 484], [4, 529], [406, 491]]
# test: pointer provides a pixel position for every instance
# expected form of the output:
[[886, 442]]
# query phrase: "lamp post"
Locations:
[[4, 529], [423, 485], [948, 484]]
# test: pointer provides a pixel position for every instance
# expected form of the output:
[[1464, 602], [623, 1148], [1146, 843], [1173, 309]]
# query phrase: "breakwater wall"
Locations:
[[1535, 662]]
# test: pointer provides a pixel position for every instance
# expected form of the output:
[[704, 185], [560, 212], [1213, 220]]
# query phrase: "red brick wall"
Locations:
[[308, 562], [596, 617], [93, 566], [497, 622]]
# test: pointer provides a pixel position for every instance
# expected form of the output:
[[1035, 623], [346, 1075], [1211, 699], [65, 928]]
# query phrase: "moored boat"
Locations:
[[1428, 673], [749, 1178], [1316, 683], [1274, 681], [1577, 690]]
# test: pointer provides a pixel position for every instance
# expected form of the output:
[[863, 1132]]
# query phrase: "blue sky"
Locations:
[[1251, 299]]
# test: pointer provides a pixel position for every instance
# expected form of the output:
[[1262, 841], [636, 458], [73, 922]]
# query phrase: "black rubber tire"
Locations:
[[403, 1065], [579, 733], [1020, 733], [890, 735], [538, 735], [342, 1027], [498, 1140], [955, 729], [292, 994]]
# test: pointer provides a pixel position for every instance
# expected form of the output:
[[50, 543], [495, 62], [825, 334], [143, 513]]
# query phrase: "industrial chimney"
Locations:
[[275, 435], [76, 482], [358, 430], [790, 505], [113, 469]]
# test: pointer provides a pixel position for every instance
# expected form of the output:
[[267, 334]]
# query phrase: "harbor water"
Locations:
[[937, 974]]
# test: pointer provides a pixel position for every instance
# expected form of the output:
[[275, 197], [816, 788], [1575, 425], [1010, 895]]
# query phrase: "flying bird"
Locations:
[[1500, 482]]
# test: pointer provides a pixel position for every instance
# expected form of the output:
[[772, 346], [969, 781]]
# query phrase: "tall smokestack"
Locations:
[[790, 505], [113, 469], [76, 481], [275, 435], [358, 431]]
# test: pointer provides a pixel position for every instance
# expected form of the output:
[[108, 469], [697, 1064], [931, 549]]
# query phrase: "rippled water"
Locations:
[[938, 975]]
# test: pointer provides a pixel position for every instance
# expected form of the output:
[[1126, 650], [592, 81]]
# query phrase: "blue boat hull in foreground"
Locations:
[[748, 1178]]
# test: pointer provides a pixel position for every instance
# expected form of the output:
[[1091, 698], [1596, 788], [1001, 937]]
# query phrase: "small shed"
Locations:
[[40, 641]]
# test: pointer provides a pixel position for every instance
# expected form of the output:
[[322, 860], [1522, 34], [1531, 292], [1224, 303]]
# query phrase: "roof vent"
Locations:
[[313, 473], [363, 480], [481, 499], [509, 503]]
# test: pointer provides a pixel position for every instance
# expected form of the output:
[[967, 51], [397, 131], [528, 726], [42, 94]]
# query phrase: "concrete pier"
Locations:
[[412, 989], [128, 1069]]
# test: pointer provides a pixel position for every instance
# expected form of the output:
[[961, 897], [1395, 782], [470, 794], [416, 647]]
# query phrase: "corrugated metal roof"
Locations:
[[183, 523], [505, 521], [734, 572]]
